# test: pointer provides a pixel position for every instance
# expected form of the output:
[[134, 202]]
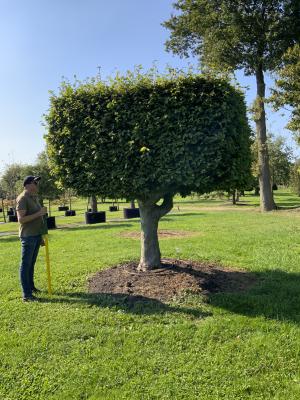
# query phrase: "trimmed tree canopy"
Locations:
[[148, 138], [133, 138]]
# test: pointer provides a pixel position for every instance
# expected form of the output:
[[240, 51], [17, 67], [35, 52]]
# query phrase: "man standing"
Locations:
[[30, 216]]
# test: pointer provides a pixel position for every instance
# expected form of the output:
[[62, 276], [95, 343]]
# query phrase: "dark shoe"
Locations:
[[29, 298], [36, 290]]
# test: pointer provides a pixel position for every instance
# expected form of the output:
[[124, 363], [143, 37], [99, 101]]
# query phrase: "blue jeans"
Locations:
[[30, 250]]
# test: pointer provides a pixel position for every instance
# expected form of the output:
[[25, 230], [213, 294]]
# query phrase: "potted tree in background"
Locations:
[[131, 212], [94, 216]]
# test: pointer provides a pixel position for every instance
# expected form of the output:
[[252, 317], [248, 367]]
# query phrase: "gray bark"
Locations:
[[266, 195], [150, 214], [93, 203], [234, 197], [3, 210]]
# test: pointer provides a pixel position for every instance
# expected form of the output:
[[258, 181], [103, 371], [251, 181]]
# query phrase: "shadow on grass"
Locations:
[[276, 295], [100, 226], [287, 205], [138, 305], [9, 238], [199, 201], [177, 213]]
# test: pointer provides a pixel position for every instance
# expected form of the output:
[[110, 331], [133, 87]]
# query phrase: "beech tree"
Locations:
[[228, 35], [147, 138]]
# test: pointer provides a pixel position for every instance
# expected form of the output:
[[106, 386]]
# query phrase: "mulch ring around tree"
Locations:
[[172, 280], [162, 234]]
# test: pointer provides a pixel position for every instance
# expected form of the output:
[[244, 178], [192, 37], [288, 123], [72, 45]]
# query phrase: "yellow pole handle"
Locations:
[[45, 237]]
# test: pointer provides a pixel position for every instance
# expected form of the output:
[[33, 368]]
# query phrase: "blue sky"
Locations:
[[42, 41]]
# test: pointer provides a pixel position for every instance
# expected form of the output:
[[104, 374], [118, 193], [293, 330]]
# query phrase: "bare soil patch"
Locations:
[[172, 280], [162, 234]]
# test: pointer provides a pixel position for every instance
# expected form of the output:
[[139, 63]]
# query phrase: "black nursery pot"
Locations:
[[95, 217], [70, 213], [63, 208], [1, 210], [51, 223], [113, 208], [12, 218], [131, 213]]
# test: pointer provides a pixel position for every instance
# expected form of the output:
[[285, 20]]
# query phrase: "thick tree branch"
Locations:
[[166, 206]]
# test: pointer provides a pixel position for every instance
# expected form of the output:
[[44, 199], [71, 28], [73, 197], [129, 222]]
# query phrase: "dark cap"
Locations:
[[29, 179]]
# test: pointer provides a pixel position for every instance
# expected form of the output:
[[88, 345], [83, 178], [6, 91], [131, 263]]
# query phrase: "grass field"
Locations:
[[74, 345]]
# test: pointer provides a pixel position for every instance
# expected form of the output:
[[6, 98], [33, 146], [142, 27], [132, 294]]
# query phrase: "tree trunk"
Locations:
[[233, 197], [3, 211], [266, 195], [150, 214], [94, 206]]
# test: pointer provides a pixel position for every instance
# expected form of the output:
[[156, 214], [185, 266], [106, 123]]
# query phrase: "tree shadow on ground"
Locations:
[[9, 238], [273, 294], [285, 205], [276, 295], [177, 213], [95, 226], [138, 305], [200, 201]]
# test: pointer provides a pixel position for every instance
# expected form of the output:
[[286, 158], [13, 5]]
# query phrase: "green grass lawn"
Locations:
[[74, 345]]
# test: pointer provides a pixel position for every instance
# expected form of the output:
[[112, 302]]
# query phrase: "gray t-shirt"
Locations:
[[31, 205]]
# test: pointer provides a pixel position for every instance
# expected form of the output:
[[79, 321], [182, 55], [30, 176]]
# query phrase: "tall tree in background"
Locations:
[[287, 90], [12, 180], [280, 157], [47, 187], [228, 35], [14, 174], [295, 177]]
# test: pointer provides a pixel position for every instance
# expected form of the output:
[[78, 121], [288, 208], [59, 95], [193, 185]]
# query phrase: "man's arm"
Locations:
[[23, 218]]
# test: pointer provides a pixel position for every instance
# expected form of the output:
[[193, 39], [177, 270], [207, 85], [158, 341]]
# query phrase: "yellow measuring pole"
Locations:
[[45, 237]]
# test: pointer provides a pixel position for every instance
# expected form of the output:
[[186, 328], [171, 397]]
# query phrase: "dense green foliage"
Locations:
[[280, 156], [295, 177], [287, 91], [47, 187], [138, 136], [235, 34], [12, 178]]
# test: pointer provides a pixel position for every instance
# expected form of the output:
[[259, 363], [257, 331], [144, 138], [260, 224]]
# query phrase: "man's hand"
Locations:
[[43, 211], [23, 218], [43, 243]]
